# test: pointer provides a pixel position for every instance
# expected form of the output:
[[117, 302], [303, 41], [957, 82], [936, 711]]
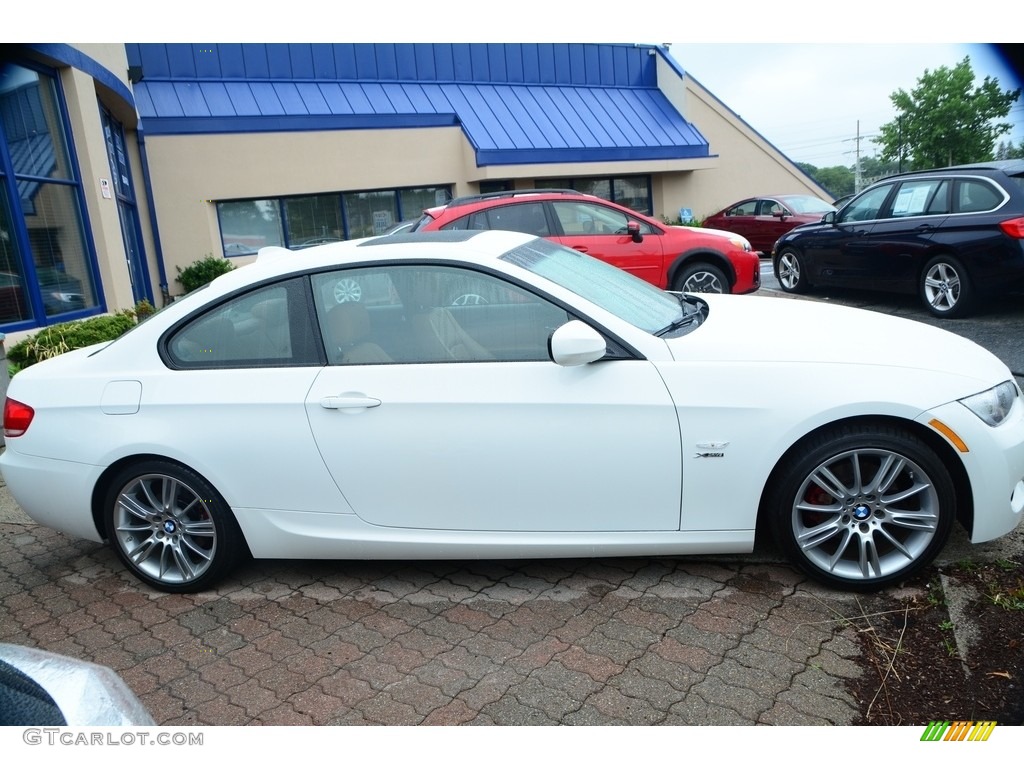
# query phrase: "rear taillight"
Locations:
[[1013, 227], [17, 417]]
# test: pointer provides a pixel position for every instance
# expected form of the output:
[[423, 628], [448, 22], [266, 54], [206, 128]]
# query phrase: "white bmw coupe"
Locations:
[[492, 395]]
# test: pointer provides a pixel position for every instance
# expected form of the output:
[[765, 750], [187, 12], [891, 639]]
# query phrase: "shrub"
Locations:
[[64, 337], [202, 271], [143, 309]]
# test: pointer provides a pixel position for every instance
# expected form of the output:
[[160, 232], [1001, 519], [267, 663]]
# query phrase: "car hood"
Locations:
[[757, 329], [730, 236]]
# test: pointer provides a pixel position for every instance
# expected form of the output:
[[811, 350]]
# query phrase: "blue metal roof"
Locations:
[[516, 103]]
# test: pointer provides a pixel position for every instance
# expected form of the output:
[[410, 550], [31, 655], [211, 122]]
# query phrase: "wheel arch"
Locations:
[[702, 256], [102, 486], [942, 449]]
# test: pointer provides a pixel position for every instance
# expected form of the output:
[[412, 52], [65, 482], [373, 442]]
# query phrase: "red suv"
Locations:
[[677, 258]]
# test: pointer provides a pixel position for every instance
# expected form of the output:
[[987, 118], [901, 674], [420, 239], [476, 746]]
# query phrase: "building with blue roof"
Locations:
[[120, 164]]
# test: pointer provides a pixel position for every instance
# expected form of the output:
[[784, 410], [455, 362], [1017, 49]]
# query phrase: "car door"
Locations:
[[438, 425], [900, 241], [741, 219], [773, 220], [600, 231], [839, 254]]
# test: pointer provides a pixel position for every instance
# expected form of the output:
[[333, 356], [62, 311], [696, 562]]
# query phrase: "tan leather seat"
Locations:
[[347, 330], [439, 337]]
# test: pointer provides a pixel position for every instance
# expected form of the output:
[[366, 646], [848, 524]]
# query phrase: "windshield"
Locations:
[[625, 296], [808, 204]]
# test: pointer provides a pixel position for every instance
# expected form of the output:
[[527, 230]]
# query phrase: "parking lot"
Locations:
[[737, 640]]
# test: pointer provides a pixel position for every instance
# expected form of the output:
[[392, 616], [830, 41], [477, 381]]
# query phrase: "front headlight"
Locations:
[[993, 405], [740, 242]]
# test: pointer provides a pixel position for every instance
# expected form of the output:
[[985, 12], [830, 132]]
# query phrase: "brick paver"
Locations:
[[641, 641]]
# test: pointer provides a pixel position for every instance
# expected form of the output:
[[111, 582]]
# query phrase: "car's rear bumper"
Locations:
[[54, 493]]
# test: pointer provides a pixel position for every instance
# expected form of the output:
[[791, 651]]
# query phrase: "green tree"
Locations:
[[874, 168], [1007, 151], [946, 119], [838, 180]]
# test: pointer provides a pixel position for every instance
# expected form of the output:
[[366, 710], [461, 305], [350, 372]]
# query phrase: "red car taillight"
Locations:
[[1013, 227], [17, 417]]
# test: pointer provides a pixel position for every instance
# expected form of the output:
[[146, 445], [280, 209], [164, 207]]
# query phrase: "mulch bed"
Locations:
[[913, 671]]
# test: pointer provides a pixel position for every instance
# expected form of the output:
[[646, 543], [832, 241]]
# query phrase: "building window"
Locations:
[[248, 225], [301, 222], [370, 213], [313, 220], [127, 210], [46, 263], [634, 192], [497, 185]]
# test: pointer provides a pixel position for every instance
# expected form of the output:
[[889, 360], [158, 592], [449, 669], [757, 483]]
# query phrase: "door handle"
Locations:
[[348, 402], [580, 248]]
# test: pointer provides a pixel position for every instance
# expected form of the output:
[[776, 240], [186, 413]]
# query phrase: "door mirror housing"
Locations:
[[576, 343], [633, 230]]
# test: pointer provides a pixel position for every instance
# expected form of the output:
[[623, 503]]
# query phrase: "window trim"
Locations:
[[300, 299]]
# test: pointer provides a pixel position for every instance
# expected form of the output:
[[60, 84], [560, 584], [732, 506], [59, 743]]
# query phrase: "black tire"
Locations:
[[945, 288], [887, 518], [701, 277], [791, 272], [170, 527]]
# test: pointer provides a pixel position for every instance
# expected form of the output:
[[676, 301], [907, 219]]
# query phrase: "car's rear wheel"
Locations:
[[791, 272], [862, 506], [701, 278], [171, 527], [945, 287]]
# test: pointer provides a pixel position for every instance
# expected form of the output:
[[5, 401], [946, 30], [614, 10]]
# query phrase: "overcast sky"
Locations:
[[807, 98]]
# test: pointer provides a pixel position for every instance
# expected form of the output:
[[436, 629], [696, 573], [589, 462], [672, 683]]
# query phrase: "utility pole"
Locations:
[[856, 163]]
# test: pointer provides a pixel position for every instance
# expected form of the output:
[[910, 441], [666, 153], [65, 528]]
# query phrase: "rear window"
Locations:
[[977, 195], [266, 327]]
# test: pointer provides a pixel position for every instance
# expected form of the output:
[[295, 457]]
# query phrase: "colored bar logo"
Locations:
[[958, 730]]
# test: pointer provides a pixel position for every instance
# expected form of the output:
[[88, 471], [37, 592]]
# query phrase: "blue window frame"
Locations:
[[47, 261]]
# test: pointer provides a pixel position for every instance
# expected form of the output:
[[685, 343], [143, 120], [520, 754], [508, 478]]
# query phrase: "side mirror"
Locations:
[[576, 343], [780, 214], [633, 230], [829, 218]]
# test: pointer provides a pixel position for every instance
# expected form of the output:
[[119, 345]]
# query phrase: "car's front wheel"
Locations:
[[946, 288], [862, 506], [701, 278], [170, 527], [791, 272]]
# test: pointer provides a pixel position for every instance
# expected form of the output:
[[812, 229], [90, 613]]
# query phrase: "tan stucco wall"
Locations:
[[83, 113], [192, 173], [747, 164]]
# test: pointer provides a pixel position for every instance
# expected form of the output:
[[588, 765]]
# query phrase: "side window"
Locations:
[[748, 208], [769, 207], [520, 217], [915, 198], [418, 314], [269, 326], [975, 196], [577, 219], [867, 206]]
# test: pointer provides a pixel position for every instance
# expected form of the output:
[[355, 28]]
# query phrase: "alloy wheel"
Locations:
[[865, 514], [942, 287], [165, 529]]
